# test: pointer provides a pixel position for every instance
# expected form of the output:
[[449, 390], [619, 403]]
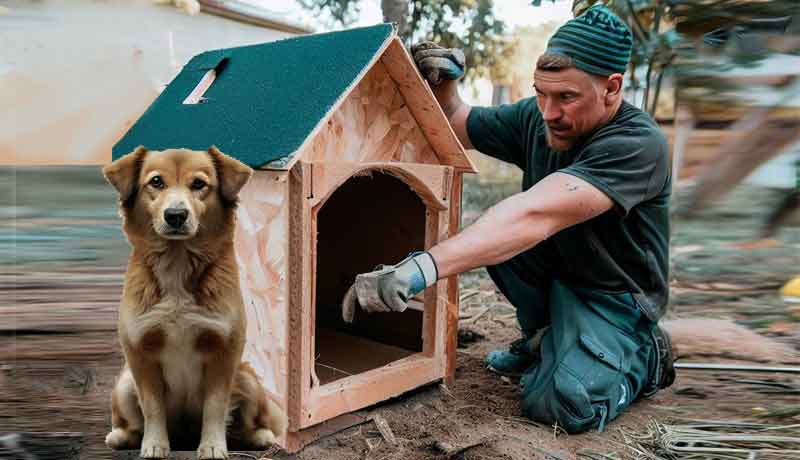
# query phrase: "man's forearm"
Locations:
[[506, 229], [520, 222], [454, 108]]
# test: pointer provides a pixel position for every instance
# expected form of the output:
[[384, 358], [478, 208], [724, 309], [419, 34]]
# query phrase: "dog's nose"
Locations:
[[175, 217]]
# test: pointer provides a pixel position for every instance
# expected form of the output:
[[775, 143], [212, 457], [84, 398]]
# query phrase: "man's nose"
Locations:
[[175, 217], [552, 111]]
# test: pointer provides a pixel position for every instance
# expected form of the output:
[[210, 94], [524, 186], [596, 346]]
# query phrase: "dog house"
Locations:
[[356, 165]]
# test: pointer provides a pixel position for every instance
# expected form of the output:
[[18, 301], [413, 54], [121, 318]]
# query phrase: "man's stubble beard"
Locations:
[[560, 148]]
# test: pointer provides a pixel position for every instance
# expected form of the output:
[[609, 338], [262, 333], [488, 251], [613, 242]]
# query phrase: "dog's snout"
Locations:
[[175, 217]]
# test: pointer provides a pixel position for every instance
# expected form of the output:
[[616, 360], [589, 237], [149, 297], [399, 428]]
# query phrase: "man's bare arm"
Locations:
[[454, 108], [520, 222]]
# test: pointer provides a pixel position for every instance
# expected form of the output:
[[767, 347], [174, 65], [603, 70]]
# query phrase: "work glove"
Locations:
[[389, 288], [436, 63]]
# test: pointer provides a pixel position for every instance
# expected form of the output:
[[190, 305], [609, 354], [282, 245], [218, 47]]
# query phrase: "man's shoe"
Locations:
[[514, 361], [665, 370]]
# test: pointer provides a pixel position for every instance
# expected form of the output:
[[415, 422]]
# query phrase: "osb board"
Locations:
[[430, 182], [359, 391], [301, 320], [262, 253], [453, 299], [424, 107], [342, 355], [372, 124]]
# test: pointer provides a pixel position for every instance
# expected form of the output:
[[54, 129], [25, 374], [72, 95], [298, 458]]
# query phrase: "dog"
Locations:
[[182, 319]]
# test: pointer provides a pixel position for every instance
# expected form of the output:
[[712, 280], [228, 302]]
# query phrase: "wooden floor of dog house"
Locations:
[[343, 355]]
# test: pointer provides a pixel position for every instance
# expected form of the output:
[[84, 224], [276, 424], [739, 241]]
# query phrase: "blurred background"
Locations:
[[721, 77]]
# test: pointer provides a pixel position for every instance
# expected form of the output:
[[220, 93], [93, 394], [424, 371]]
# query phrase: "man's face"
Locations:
[[572, 103]]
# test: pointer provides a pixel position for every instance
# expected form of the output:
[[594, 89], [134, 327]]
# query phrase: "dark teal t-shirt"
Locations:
[[624, 249]]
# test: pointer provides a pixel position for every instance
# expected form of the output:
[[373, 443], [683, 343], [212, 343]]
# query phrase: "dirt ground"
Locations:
[[58, 349]]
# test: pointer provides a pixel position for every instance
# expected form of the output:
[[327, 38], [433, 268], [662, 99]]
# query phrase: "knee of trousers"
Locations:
[[582, 393]]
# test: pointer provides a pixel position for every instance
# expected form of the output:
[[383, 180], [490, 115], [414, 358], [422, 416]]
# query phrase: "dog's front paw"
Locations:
[[262, 438], [212, 450], [122, 439], [154, 449]]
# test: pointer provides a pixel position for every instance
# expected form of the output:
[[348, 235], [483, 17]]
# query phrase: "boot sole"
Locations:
[[515, 375]]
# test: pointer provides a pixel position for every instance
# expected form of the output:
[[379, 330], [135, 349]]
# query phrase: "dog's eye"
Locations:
[[157, 182], [198, 184]]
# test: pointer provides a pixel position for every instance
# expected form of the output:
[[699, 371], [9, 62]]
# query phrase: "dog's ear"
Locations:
[[231, 173], [123, 174]]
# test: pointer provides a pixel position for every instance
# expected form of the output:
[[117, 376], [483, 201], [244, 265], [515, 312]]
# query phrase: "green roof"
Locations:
[[266, 99]]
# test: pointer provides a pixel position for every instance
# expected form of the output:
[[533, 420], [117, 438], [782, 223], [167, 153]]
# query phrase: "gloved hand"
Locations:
[[437, 63], [390, 287]]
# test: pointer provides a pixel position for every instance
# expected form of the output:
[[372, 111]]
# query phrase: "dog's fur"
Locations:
[[182, 318]]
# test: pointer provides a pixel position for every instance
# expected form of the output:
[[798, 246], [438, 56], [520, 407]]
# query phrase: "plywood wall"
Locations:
[[262, 253], [372, 124]]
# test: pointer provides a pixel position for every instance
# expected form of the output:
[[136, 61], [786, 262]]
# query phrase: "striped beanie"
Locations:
[[597, 41]]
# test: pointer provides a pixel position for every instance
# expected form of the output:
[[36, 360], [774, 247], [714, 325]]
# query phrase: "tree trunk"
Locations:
[[396, 11]]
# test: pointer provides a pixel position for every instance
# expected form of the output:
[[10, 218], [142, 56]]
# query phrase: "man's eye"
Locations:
[[198, 184], [157, 182]]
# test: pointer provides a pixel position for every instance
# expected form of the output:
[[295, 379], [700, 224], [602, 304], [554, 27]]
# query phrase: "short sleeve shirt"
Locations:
[[624, 249]]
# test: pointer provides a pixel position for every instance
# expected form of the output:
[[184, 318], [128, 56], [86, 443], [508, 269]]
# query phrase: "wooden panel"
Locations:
[[451, 334], [342, 355], [372, 124], [432, 183], [300, 291], [441, 290], [431, 314], [261, 243], [297, 440], [423, 106], [362, 390]]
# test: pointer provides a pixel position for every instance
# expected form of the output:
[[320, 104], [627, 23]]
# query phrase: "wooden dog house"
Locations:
[[356, 165]]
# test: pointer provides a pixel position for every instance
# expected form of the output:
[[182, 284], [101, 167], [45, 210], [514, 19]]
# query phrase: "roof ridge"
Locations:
[[286, 40]]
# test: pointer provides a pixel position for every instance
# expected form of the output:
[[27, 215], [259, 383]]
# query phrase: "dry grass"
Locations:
[[714, 440]]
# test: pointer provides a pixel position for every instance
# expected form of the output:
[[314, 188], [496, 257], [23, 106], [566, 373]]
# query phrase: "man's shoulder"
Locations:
[[631, 127], [637, 122]]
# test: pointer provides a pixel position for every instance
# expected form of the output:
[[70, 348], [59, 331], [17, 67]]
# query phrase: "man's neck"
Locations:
[[612, 113]]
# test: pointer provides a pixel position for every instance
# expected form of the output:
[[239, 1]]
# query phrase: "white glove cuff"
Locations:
[[428, 268]]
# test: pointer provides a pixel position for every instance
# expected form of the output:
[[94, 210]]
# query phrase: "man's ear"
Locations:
[[613, 88], [123, 174], [232, 174]]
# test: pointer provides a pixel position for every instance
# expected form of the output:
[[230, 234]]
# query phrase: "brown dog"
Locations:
[[182, 318]]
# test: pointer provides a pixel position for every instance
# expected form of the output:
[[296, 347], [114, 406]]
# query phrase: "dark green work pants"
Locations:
[[597, 357]]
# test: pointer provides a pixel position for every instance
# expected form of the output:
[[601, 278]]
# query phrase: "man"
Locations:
[[582, 251]]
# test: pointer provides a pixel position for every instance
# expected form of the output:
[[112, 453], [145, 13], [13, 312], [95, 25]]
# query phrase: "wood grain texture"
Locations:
[[297, 440], [373, 123], [300, 308], [451, 333], [262, 246], [362, 390], [423, 106], [430, 182]]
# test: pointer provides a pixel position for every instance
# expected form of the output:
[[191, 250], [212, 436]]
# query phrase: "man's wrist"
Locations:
[[427, 266]]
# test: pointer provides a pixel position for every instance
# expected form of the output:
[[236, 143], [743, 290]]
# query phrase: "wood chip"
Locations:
[[383, 427], [476, 316]]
